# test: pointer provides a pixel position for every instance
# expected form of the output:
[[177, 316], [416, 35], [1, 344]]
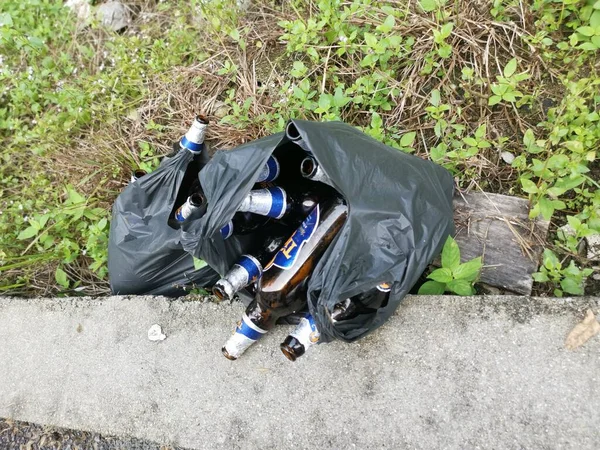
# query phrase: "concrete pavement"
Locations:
[[444, 372]]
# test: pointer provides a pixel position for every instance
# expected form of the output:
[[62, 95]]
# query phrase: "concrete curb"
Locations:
[[445, 372]]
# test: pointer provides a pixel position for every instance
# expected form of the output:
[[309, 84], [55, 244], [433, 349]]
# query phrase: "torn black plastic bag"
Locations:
[[400, 214], [145, 255]]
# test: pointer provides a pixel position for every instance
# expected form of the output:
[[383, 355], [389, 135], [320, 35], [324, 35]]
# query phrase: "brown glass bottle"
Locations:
[[282, 288]]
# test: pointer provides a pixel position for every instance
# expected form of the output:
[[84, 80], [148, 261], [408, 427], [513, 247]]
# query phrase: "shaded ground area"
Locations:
[[15, 434]]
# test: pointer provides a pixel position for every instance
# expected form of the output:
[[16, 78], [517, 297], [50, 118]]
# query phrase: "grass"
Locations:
[[504, 94]]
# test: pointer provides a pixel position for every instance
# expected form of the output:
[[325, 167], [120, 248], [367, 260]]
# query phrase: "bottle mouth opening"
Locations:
[[197, 199], [308, 167], [227, 355], [292, 132], [219, 292], [139, 173], [202, 119], [288, 352]]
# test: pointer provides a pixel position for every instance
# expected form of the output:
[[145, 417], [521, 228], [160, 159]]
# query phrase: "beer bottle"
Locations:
[[278, 203], [270, 171], [249, 268], [192, 206], [293, 135], [137, 174], [282, 288], [365, 303], [298, 341], [193, 140], [311, 169], [243, 223]]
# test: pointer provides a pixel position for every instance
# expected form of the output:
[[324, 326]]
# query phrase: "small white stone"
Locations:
[[155, 333], [507, 157]]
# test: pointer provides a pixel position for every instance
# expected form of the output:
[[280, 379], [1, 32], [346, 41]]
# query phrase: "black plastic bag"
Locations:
[[145, 255], [400, 214]]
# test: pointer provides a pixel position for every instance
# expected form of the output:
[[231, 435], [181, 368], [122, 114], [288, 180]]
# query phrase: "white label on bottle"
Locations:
[[306, 332], [265, 202], [246, 334]]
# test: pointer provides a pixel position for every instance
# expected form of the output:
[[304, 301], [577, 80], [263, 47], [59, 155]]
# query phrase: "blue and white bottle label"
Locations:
[[194, 138], [227, 230], [287, 255], [269, 202], [184, 211], [306, 331], [252, 268], [246, 334], [270, 171]]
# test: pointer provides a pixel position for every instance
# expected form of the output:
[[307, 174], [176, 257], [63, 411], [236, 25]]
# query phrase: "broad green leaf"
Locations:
[[234, 34], [546, 208], [450, 254], [370, 40], [529, 186], [589, 46], [27, 233], [61, 277], [468, 271], [387, 25], [470, 141], [571, 286], [325, 102], [376, 121], [574, 222], [595, 20], [446, 30], [567, 183], [445, 51], [339, 99], [550, 260], [102, 223], [43, 220], [494, 100], [5, 20], [428, 5], [540, 277], [557, 161], [435, 97], [432, 288], [442, 275], [574, 146], [528, 138], [586, 31], [460, 287], [499, 89], [510, 68], [407, 139]]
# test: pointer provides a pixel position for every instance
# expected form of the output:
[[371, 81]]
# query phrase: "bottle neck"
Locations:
[[194, 138], [271, 202]]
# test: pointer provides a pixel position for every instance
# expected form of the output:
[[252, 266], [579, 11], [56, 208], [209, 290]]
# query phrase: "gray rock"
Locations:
[[593, 247], [81, 8], [114, 15]]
